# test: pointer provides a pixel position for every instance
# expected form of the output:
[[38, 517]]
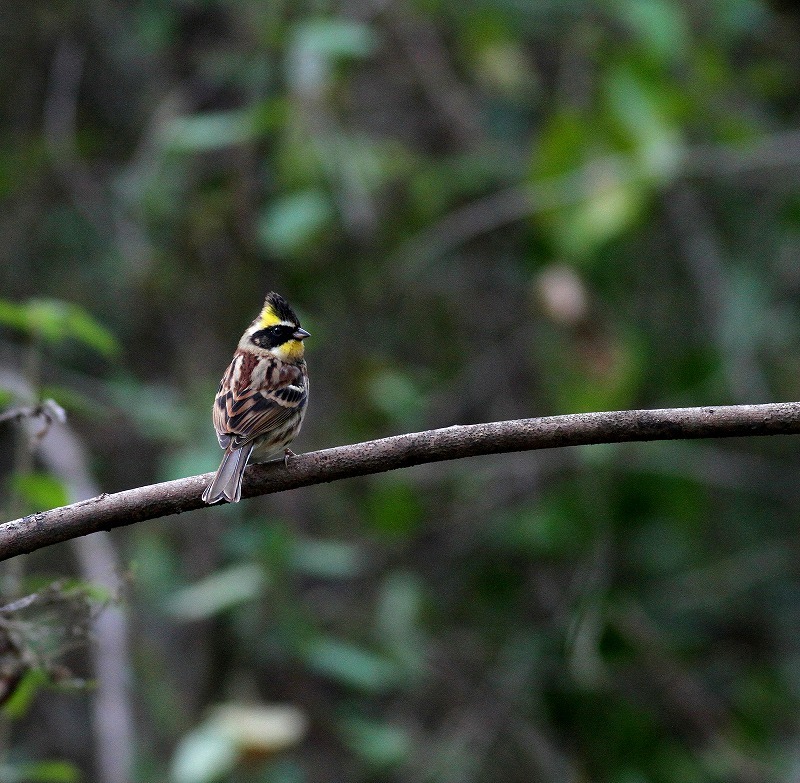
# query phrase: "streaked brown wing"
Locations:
[[244, 413]]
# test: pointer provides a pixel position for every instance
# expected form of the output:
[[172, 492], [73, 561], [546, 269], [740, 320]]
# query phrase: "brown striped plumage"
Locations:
[[262, 396]]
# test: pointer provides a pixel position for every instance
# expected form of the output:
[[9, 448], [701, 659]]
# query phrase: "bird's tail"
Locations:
[[227, 483]]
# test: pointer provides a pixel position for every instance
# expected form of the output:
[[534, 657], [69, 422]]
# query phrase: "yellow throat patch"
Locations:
[[290, 351]]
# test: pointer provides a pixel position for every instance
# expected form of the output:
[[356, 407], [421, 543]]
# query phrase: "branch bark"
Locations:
[[105, 512]]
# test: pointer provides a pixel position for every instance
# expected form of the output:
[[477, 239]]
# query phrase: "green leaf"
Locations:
[[47, 318], [41, 490], [611, 203], [41, 772], [397, 620], [13, 315], [601, 200], [154, 565], [211, 131], [350, 665], [399, 606], [21, 699], [318, 45], [661, 25], [327, 559], [54, 321], [565, 142], [204, 755], [378, 744], [85, 329], [217, 593], [284, 771], [74, 401], [292, 223], [639, 108], [503, 66], [335, 38]]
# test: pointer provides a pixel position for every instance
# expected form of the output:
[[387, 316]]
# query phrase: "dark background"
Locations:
[[482, 210]]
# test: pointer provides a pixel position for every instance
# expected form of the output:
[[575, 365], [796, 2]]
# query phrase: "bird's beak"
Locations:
[[300, 334]]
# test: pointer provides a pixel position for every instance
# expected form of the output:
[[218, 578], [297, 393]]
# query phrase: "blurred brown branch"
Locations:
[[105, 512]]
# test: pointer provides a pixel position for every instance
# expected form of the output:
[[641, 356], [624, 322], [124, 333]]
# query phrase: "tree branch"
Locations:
[[377, 456]]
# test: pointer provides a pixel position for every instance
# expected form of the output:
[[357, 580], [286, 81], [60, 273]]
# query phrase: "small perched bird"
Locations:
[[262, 396]]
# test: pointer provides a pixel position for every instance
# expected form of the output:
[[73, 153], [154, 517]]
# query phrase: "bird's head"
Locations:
[[277, 330]]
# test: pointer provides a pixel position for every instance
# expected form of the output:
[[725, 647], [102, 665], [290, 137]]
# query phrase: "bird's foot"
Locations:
[[286, 454]]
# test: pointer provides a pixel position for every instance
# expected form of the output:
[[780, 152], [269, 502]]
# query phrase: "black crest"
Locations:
[[281, 308]]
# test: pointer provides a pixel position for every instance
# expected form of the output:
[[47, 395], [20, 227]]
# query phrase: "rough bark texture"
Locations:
[[105, 512]]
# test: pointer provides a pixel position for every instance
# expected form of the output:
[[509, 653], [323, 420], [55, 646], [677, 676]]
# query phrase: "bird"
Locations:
[[262, 397]]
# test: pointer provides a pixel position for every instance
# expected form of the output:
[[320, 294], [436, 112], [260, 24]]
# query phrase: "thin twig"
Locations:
[[20, 412], [48, 410], [377, 456]]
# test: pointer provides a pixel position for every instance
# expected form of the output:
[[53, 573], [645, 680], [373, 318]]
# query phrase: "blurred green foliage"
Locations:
[[481, 211]]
